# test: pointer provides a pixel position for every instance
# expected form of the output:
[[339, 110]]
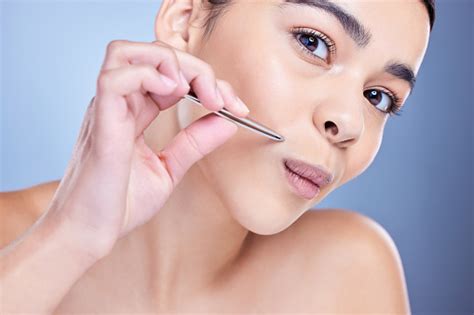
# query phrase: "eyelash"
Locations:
[[310, 32], [395, 108]]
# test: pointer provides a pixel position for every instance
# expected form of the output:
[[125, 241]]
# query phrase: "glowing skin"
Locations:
[[239, 187], [217, 240]]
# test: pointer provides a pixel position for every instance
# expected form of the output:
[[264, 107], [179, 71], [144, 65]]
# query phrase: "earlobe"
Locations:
[[173, 22]]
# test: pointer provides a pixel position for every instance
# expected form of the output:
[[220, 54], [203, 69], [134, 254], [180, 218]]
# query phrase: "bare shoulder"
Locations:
[[19, 209], [360, 257]]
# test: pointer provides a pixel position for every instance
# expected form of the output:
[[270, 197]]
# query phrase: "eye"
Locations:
[[383, 101], [314, 43]]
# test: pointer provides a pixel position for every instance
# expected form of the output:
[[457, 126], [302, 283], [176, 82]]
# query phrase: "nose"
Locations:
[[339, 117]]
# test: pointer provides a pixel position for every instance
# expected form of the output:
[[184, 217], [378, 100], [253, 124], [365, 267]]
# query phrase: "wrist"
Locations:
[[89, 244]]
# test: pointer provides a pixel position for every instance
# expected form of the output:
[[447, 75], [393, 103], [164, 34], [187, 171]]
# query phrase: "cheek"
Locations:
[[256, 67], [265, 85], [245, 171]]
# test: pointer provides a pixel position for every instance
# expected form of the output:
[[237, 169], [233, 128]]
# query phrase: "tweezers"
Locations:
[[242, 122]]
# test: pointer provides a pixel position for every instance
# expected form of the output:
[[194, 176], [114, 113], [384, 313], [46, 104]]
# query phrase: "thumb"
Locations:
[[194, 142]]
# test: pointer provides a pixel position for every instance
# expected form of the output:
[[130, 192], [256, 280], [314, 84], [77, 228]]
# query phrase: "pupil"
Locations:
[[309, 41], [374, 96]]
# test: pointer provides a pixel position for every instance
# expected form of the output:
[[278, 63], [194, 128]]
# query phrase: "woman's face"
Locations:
[[327, 95]]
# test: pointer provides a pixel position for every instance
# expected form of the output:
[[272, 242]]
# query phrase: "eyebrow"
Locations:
[[401, 71], [358, 33], [351, 25]]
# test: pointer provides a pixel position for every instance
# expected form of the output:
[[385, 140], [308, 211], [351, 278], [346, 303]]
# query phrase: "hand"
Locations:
[[114, 181]]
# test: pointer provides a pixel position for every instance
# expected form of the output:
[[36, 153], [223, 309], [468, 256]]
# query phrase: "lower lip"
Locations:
[[301, 186]]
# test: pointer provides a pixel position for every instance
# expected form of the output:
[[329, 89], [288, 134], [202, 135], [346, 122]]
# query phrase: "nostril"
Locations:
[[329, 125]]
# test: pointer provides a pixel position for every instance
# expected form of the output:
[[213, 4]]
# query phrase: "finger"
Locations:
[[167, 101], [134, 78], [196, 72], [115, 120], [121, 53], [148, 113], [193, 143], [202, 80], [136, 102], [144, 110], [232, 102]]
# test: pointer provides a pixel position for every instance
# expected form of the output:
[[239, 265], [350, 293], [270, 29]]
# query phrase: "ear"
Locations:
[[173, 24]]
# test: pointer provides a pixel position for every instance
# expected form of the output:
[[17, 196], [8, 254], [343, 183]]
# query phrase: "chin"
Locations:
[[267, 224], [249, 179], [263, 214]]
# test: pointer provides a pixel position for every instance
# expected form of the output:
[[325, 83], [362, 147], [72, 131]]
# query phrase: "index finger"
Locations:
[[197, 73]]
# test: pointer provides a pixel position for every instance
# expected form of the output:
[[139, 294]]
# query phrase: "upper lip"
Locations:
[[315, 173]]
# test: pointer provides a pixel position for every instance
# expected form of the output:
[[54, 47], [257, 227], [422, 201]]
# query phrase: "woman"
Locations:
[[162, 210]]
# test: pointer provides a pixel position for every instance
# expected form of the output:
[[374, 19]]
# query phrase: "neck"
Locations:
[[192, 240]]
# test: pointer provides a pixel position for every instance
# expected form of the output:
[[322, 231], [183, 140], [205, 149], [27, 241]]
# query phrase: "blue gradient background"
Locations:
[[419, 187]]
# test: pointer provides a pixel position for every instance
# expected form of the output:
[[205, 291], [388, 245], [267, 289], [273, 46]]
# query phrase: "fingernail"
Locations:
[[183, 78], [168, 81], [219, 97], [242, 106]]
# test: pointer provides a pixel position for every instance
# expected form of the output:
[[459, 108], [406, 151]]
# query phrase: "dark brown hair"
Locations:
[[216, 8]]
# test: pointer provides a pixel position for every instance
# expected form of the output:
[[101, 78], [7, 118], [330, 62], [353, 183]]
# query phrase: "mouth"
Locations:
[[306, 180]]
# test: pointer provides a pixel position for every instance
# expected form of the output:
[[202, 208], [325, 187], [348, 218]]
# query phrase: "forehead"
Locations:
[[399, 26]]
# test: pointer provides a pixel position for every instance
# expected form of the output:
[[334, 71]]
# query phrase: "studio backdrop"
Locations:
[[419, 187]]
